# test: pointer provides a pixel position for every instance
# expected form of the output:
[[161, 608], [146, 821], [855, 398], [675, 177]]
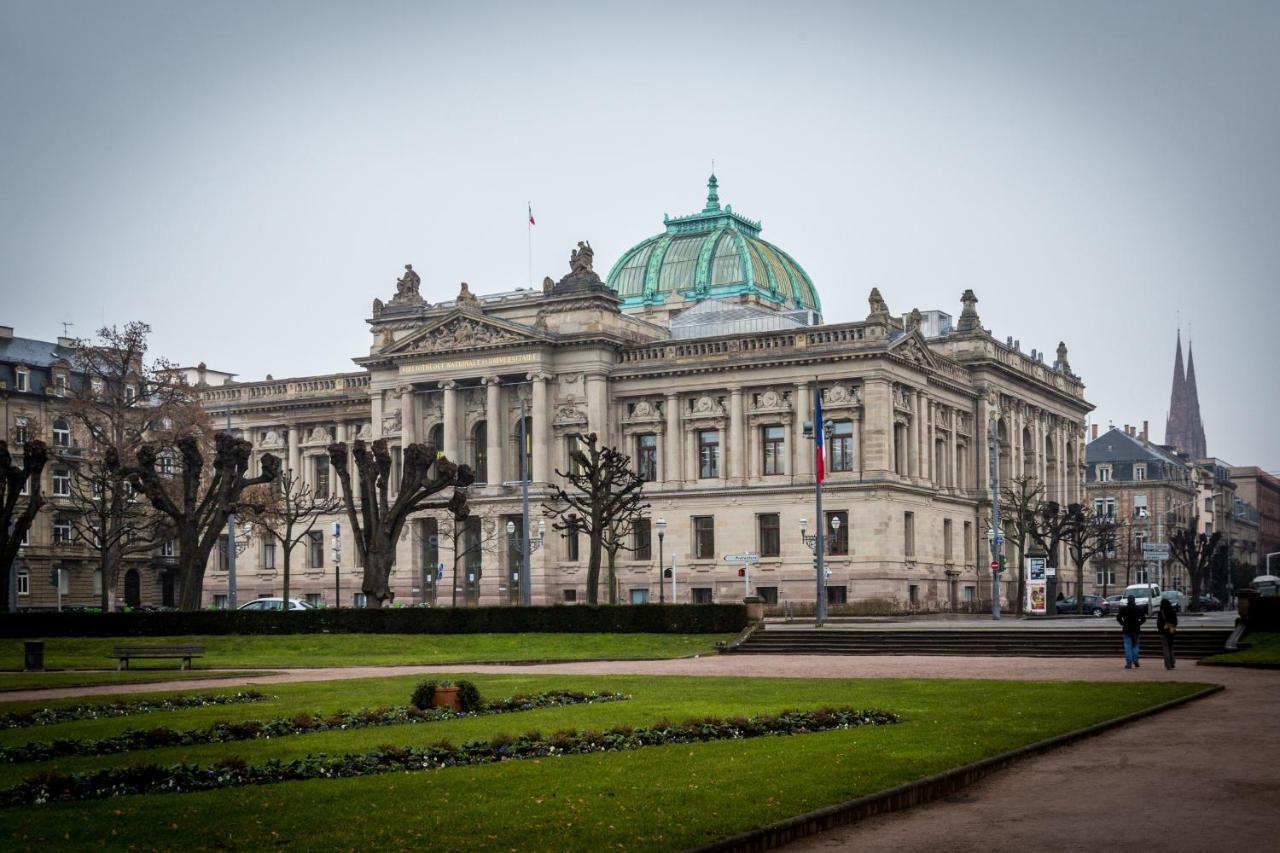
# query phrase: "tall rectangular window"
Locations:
[[315, 549], [572, 552], [1140, 471], [642, 540], [909, 534], [1139, 506], [708, 453], [704, 537], [947, 554], [322, 476], [61, 530], [647, 457], [24, 582], [840, 446], [61, 482], [429, 545], [838, 533], [268, 553], [61, 433], [774, 441], [768, 534], [968, 541], [571, 446], [23, 379]]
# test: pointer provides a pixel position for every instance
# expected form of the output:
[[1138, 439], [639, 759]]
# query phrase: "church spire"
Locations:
[[1183, 429]]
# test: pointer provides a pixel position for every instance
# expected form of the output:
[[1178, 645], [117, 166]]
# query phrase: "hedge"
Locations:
[[1264, 614], [577, 619]]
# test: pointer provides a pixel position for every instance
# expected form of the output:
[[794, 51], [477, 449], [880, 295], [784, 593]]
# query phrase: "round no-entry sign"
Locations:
[[995, 565]]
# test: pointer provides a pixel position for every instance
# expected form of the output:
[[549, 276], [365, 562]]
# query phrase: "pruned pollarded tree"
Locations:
[[377, 522], [617, 535], [121, 401], [1196, 553], [197, 505], [1087, 535], [284, 512], [1019, 502], [603, 492], [21, 497]]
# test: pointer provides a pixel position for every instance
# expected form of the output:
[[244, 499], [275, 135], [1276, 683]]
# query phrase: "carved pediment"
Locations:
[[705, 407], [841, 396], [913, 348], [643, 411], [460, 330]]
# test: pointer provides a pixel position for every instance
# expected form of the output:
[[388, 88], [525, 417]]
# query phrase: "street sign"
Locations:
[[995, 565], [742, 558], [1155, 551]]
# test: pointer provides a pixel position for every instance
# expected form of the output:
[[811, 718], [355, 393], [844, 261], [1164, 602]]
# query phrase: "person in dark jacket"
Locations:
[[1131, 617], [1167, 627]]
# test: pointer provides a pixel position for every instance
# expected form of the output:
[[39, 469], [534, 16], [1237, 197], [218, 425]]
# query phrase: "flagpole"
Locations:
[[820, 604], [528, 225]]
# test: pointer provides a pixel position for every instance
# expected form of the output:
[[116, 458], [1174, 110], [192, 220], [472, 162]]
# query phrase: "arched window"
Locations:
[[527, 471], [436, 437], [61, 433], [480, 450]]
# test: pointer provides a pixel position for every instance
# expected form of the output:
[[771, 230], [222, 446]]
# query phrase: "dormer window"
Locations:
[[1140, 471], [60, 384], [22, 379], [1104, 473], [130, 393], [96, 385]]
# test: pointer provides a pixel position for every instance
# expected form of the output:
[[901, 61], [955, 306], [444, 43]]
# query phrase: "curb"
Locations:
[[921, 791]]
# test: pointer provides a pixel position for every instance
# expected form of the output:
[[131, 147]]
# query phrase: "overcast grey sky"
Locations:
[[247, 177]]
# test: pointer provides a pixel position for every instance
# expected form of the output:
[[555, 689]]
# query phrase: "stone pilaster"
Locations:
[[801, 448], [877, 429], [408, 417], [494, 428], [736, 463], [541, 432], [673, 444], [450, 395]]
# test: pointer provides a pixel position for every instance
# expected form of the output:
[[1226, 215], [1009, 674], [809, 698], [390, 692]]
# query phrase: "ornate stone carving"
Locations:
[[463, 333], [1062, 363], [365, 432], [879, 312], [840, 395], [391, 423], [406, 291], [706, 407], [273, 438], [465, 298], [581, 275], [547, 284], [377, 308], [969, 315]]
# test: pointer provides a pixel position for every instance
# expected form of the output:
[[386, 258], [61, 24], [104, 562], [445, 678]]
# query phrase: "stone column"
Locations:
[[408, 417], [450, 420], [877, 428], [597, 390], [926, 458], [349, 433], [541, 420], [913, 436], [295, 455], [954, 448], [737, 438], [494, 427], [375, 412], [801, 449], [672, 444], [982, 453]]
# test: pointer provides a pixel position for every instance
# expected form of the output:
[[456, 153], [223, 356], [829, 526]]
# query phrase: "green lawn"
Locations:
[[10, 681], [261, 650], [1263, 651], [656, 798]]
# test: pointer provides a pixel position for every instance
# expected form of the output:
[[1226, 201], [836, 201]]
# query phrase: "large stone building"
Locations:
[[700, 354], [1262, 490]]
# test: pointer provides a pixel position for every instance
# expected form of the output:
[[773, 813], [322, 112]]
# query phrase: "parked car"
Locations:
[[1115, 601], [1094, 605], [1180, 601], [1209, 601], [275, 604], [1144, 595]]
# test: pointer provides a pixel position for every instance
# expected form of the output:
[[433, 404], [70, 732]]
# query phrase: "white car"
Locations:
[[1144, 595], [275, 604]]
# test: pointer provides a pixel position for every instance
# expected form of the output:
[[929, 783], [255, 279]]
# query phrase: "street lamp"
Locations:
[[525, 545], [812, 540], [817, 434], [232, 546], [661, 525]]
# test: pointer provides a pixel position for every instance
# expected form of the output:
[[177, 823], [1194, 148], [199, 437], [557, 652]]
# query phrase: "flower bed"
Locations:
[[304, 723], [49, 716], [233, 772]]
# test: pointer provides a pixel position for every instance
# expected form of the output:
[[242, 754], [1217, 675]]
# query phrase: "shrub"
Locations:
[[469, 697], [425, 693]]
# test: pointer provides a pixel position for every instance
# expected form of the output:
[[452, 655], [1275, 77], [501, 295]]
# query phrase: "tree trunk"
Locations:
[[287, 552], [1019, 550], [454, 599], [593, 569], [613, 583], [191, 565], [377, 572]]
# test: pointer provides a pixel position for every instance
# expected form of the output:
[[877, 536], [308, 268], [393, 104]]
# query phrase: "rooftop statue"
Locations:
[[581, 276], [879, 308], [466, 297], [1062, 363], [969, 316], [407, 285], [581, 258]]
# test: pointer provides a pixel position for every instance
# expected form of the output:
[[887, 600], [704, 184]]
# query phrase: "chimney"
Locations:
[[66, 343], [1126, 429], [1095, 432], [6, 332], [1145, 427]]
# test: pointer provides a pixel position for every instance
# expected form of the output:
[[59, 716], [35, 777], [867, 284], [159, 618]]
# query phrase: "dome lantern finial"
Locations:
[[713, 198]]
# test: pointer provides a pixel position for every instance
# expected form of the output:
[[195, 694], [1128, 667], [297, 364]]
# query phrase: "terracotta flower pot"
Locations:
[[446, 697]]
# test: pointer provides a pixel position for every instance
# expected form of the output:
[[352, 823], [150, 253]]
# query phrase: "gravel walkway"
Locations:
[[1201, 777]]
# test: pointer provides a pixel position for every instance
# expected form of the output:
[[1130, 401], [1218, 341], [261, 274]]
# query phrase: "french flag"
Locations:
[[819, 440], [531, 222]]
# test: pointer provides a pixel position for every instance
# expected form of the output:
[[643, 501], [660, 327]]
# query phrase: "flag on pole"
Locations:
[[531, 220], [819, 439]]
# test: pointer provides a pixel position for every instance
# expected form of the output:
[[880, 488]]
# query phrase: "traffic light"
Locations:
[[742, 573], [666, 573]]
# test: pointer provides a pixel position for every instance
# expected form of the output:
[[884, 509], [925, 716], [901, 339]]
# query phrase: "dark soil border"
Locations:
[[924, 790]]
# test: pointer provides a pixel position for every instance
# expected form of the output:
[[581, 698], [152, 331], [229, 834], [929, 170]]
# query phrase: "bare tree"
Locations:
[[21, 497], [1087, 535], [285, 512], [470, 533], [379, 520], [1196, 553], [198, 506], [1052, 520], [616, 536], [1019, 503], [121, 401], [603, 492]]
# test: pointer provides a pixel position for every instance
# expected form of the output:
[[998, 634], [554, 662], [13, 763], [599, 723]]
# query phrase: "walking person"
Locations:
[[1167, 627], [1131, 617]]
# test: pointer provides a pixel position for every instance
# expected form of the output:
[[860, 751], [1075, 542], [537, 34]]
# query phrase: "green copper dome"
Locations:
[[714, 253]]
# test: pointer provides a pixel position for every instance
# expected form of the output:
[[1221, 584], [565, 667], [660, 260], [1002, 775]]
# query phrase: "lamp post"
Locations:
[[816, 433], [233, 546], [997, 532], [820, 545], [661, 525], [525, 545]]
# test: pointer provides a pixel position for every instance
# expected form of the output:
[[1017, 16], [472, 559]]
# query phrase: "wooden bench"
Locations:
[[122, 654]]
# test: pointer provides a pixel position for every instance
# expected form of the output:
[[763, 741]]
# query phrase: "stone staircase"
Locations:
[[1192, 643]]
